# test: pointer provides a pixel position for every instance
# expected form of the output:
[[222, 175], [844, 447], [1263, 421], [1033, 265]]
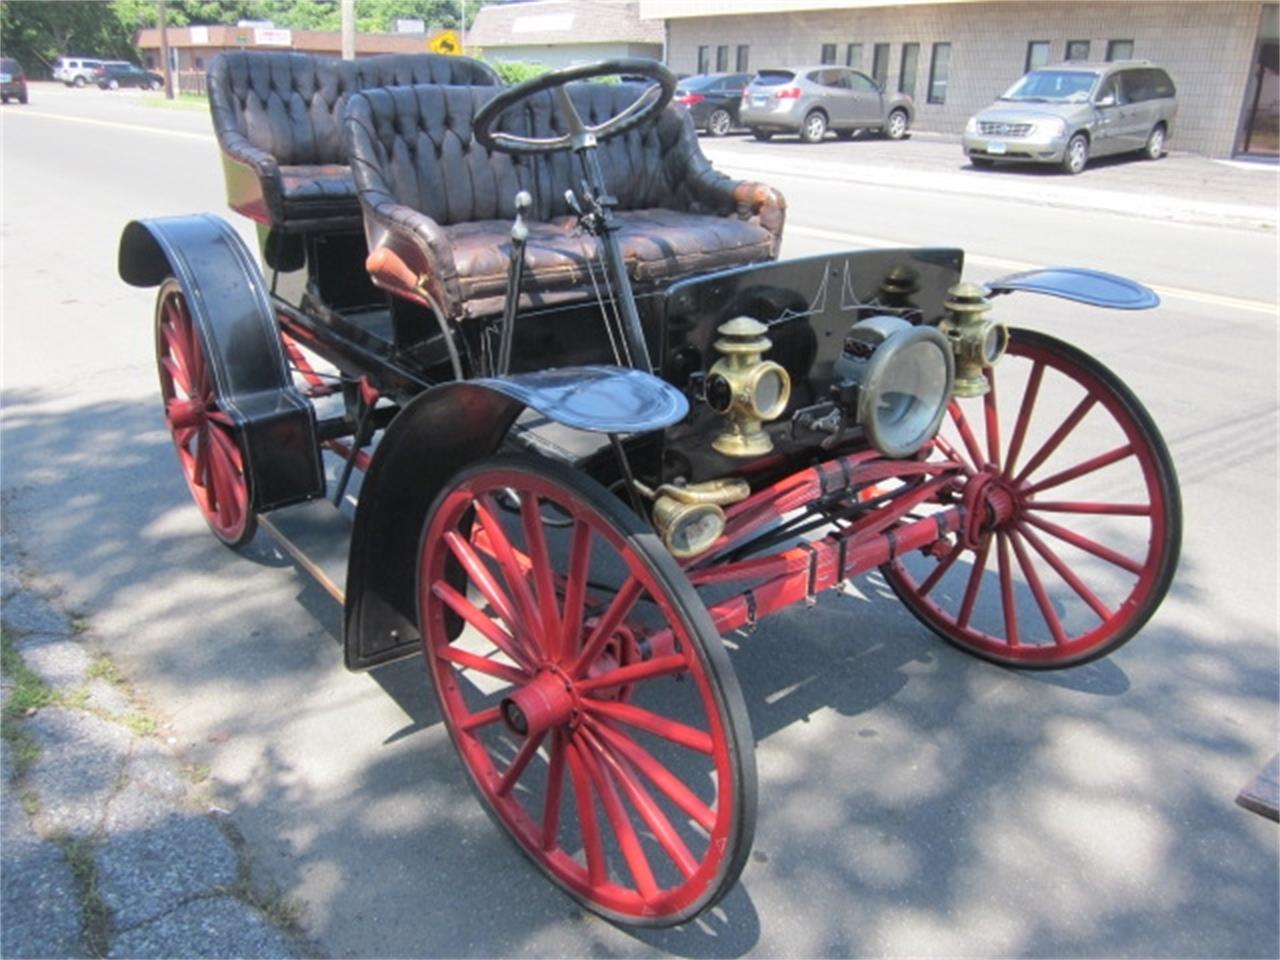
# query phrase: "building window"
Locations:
[[1037, 54], [1119, 49], [722, 58], [199, 63], [744, 57], [907, 69], [853, 55], [704, 59], [939, 72], [828, 53], [880, 64], [1077, 49]]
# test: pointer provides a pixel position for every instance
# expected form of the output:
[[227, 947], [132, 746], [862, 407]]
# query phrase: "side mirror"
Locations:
[[1106, 101]]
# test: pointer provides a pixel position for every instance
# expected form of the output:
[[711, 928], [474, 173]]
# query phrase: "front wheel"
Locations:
[[1078, 520], [1077, 154], [719, 123], [79, 82], [586, 691], [155, 85], [895, 127], [113, 84], [1154, 148], [762, 135], [814, 127], [209, 452]]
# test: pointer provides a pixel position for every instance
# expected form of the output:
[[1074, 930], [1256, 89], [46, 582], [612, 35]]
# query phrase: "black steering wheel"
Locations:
[[654, 98]]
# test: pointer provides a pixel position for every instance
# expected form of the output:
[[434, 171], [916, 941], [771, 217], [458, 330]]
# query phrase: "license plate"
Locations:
[[997, 148], [759, 101]]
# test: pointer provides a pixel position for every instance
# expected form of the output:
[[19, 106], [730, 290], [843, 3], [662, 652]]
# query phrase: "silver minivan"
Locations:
[[1067, 113], [75, 71]]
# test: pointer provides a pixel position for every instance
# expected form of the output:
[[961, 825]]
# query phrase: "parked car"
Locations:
[[713, 99], [1067, 113], [113, 75], [76, 71], [812, 100], [13, 81]]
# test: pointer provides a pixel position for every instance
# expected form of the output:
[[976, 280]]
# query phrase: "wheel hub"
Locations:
[[990, 502], [549, 700]]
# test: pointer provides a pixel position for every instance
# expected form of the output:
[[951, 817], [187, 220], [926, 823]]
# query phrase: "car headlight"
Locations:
[[1052, 127], [972, 126], [903, 374]]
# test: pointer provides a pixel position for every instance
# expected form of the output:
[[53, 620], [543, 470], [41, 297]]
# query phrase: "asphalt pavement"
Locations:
[[112, 840]]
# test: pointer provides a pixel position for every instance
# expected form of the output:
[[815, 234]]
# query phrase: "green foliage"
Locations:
[[372, 16], [36, 33], [517, 71]]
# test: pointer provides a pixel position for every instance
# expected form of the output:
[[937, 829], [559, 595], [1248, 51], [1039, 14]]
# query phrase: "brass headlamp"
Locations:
[[689, 518], [745, 388], [978, 342]]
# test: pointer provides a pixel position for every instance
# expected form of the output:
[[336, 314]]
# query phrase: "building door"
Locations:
[[1261, 127]]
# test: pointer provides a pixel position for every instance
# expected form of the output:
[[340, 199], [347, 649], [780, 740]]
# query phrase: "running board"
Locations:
[[317, 536]]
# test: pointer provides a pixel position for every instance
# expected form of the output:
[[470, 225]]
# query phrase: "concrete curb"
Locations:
[[105, 849]]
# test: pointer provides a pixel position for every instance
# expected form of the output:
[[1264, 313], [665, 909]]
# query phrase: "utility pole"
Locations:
[[348, 29], [163, 20], [462, 27]]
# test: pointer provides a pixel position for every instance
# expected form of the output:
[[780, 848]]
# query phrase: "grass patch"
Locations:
[[183, 101], [29, 694], [140, 724], [30, 802], [101, 667], [199, 772], [95, 917]]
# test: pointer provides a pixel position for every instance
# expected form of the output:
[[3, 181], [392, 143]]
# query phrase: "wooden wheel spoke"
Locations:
[[1055, 440], [940, 571], [471, 661], [481, 718], [543, 576], [623, 830], [658, 775], [1088, 507], [1082, 469], [642, 802], [526, 753], [974, 586], [1084, 543], [1007, 598], [575, 589], [512, 571], [966, 433], [475, 569], [642, 719], [992, 419], [1028, 404], [555, 789], [619, 607], [635, 673], [1037, 590], [485, 624], [597, 872], [177, 372], [948, 450], [1066, 573]]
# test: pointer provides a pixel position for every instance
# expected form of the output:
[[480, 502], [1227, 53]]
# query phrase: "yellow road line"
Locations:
[[94, 122], [1000, 263]]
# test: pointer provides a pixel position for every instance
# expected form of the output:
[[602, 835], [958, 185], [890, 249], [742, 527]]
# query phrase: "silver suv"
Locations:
[[1067, 113], [812, 100], [75, 71]]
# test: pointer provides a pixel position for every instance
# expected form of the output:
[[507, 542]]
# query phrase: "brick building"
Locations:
[[955, 56]]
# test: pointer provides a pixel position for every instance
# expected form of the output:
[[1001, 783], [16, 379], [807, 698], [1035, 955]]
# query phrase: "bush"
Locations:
[[517, 71]]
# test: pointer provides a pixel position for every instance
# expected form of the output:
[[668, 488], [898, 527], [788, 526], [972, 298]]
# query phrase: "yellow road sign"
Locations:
[[446, 41]]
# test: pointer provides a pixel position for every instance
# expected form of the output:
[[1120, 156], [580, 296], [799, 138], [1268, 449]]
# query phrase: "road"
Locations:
[[914, 801]]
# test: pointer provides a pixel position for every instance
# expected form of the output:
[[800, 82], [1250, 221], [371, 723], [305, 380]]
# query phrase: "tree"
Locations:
[[37, 33]]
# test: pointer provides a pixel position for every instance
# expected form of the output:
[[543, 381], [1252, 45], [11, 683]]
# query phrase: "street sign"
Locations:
[[446, 41]]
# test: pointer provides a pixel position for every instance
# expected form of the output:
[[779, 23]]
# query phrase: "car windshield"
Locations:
[[1053, 86]]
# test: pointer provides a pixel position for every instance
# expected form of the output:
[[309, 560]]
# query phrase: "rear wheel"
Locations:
[[1154, 148], [155, 85], [79, 82], [209, 452], [113, 84], [1078, 520], [814, 127], [588, 696], [719, 123], [895, 128], [762, 135]]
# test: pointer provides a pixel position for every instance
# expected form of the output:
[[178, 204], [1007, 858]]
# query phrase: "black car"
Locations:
[[13, 81], [713, 99], [113, 75]]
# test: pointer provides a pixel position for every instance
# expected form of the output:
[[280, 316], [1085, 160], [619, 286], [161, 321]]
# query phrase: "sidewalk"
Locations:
[[1179, 186], [105, 847]]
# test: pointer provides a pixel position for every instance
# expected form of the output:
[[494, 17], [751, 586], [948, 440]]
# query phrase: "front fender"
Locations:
[[438, 433], [1094, 287]]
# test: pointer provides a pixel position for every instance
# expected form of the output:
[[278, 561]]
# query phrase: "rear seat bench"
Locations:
[[443, 204], [278, 119]]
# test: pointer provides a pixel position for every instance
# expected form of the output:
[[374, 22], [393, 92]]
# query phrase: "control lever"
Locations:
[[515, 274]]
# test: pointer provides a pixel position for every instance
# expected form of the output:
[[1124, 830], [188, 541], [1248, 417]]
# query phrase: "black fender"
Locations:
[[231, 309], [1094, 287], [439, 432]]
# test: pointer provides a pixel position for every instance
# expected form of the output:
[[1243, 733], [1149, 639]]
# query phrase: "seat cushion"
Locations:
[[658, 246], [318, 191]]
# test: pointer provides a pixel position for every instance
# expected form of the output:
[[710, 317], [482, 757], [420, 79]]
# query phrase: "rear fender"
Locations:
[[438, 433], [229, 305]]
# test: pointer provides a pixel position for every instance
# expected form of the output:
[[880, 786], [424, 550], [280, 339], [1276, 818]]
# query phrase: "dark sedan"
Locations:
[[713, 99], [110, 76], [13, 81]]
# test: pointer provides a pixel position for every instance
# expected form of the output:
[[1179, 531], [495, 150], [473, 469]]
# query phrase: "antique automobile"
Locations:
[[581, 423]]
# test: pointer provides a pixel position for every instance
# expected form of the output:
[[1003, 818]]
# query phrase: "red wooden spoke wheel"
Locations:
[[1075, 515], [203, 435], [586, 691]]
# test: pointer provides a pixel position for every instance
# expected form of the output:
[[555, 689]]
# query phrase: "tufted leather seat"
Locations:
[[444, 204], [278, 119]]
